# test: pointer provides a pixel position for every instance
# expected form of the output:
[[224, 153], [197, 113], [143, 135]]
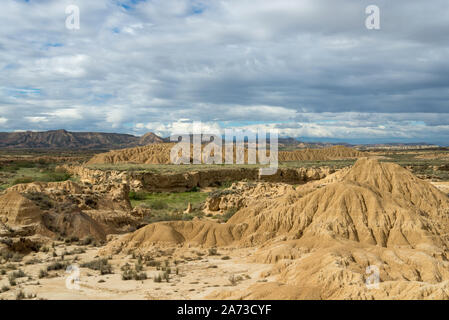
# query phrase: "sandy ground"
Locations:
[[195, 279]]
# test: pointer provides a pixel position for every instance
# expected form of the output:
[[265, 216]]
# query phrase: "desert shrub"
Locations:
[[31, 296], [33, 261], [229, 213], [6, 255], [24, 164], [57, 266], [74, 239], [42, 200], [194, 189], [141, 276], [55, 176], [43, 274], [138, 267], [220, 193], [12, 281], [77, 251], [153, 263], [44, 249], [17, 257], [86, 241], [129, 274], [18, 274], [23, 180], [157, 278], [213, 251], [166, 276], [226, 258], [11, 266], [138, 196], [226, 184], [20, 295], [15, 275], [5, 288], [232, 280], [101, 265]]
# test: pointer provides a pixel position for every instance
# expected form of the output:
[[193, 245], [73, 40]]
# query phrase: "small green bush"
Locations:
[[20, 295], [157, 278], [138, 196], [101, 265], [229, 213], [43, 274], [57, 266]]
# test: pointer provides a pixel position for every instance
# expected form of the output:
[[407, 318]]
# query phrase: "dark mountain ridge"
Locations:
[[62, 139]]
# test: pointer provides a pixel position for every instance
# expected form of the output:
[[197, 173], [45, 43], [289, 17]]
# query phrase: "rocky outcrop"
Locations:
[[242, 194], [155, 182], [68, 209]]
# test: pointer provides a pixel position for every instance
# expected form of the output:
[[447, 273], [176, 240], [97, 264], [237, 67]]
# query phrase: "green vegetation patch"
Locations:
[[168, 206], [26, 172]]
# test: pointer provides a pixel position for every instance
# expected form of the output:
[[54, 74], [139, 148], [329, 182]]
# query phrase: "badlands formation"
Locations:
[[320, 240], [315, 237]]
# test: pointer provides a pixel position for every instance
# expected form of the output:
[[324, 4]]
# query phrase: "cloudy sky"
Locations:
[[308, 67]]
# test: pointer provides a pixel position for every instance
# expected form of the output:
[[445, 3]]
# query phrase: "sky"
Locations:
[[309, 68]]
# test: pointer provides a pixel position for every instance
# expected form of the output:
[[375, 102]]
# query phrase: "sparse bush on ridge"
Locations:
[[229, 213]]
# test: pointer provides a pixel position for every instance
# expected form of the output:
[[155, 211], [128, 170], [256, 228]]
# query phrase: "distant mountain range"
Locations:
[[62, 139]]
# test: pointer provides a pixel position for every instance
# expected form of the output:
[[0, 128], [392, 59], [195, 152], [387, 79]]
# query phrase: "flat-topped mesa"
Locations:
[[160, 154]]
